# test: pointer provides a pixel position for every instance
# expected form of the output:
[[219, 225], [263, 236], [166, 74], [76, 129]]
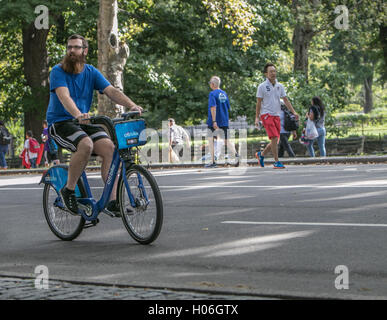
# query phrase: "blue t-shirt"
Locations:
[[219, 99], [81, 87]]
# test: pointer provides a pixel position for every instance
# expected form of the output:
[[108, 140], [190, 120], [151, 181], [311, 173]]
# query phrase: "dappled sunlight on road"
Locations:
[[356, 195], [20, 180], [364, 208], [370, 183], [237, 247]]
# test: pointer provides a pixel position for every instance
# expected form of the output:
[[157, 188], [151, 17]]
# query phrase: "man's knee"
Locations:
[[85, 145], [104, 148]]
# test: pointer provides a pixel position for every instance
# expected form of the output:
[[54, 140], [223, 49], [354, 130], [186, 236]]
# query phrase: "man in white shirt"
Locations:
[[268, 110], [178, 136]]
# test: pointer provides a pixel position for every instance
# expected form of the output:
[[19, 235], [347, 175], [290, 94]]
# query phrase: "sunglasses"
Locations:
[[75, 47]]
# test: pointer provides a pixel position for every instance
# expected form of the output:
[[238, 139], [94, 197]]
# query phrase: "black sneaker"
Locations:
[[69, 199], [114, 208]]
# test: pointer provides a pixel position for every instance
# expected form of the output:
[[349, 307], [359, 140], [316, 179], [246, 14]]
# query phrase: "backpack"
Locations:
[[5, 137], [34, 145], [290, 123], [52, 146]]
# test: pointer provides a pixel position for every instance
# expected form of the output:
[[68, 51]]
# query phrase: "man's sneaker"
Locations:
[[69, 199], [278, 165], [261, 159], [114, 208], [210, 165]]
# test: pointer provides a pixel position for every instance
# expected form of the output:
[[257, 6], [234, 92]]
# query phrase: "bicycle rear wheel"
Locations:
[[65, 225], [144, 221]]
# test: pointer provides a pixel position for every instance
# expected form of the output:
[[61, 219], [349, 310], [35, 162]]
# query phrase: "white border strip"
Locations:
[[221, 185]]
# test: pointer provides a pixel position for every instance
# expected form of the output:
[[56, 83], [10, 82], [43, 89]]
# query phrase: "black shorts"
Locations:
[[52, 156], [67, 134], [225, 130]]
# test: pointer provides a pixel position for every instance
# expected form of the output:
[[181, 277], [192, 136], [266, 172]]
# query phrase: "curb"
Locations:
[[249, 162]]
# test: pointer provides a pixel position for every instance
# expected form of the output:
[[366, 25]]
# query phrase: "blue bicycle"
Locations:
[[138, 195]]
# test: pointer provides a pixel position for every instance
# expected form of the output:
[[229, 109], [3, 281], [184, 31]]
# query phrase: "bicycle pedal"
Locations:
[[90, 224], [110, 214], [70, 212]]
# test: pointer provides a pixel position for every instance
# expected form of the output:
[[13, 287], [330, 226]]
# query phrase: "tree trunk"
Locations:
[[368, 100], [303, 33], [36, 73], [301, 41], [112, 55], [383, 41]]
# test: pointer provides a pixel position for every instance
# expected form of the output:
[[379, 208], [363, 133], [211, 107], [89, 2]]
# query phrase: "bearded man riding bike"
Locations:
[[72, 84]]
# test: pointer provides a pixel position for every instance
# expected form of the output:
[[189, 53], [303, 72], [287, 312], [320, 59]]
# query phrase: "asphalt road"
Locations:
[[258, 231]]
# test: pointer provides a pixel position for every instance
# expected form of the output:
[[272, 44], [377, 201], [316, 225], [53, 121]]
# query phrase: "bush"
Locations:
[[16, 129]]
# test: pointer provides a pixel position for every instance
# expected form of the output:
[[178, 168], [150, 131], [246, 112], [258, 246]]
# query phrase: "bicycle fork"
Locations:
[[138, 202]]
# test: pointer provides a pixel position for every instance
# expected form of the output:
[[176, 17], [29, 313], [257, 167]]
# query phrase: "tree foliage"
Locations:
[[360, 45], [176, 46], [235, 15], [180, 48]]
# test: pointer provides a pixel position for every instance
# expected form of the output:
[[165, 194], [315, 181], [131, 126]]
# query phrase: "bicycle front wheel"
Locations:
[[144, 220]]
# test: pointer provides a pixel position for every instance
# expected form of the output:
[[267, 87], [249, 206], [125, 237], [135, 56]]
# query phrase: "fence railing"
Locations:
[[361, 125], [356, 129]]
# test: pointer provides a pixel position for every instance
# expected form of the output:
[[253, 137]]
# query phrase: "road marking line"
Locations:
[[309, 224]]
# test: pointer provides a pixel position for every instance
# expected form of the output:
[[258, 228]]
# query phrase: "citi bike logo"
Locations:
[[49, 178], [111, 174], [130, 134]]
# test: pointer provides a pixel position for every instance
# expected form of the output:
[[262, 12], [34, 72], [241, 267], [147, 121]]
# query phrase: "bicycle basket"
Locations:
[[129, 133]]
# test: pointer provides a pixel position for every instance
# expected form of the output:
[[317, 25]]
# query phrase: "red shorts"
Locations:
[[272, 125]]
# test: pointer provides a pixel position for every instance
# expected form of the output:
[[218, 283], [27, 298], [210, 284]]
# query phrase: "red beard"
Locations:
[[72, 63]]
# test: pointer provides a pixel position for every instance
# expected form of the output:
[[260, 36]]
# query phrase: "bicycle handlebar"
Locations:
[[109, 123], [124, 116]]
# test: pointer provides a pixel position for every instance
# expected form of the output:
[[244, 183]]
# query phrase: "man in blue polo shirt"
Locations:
[[218, 118], [72, 83]]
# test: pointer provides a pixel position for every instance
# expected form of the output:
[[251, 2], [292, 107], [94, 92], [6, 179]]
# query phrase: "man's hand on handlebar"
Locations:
[[83, 118], [136, 108]]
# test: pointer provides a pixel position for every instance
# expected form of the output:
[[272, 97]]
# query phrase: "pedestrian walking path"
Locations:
[[248, 162], [12, 288]]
